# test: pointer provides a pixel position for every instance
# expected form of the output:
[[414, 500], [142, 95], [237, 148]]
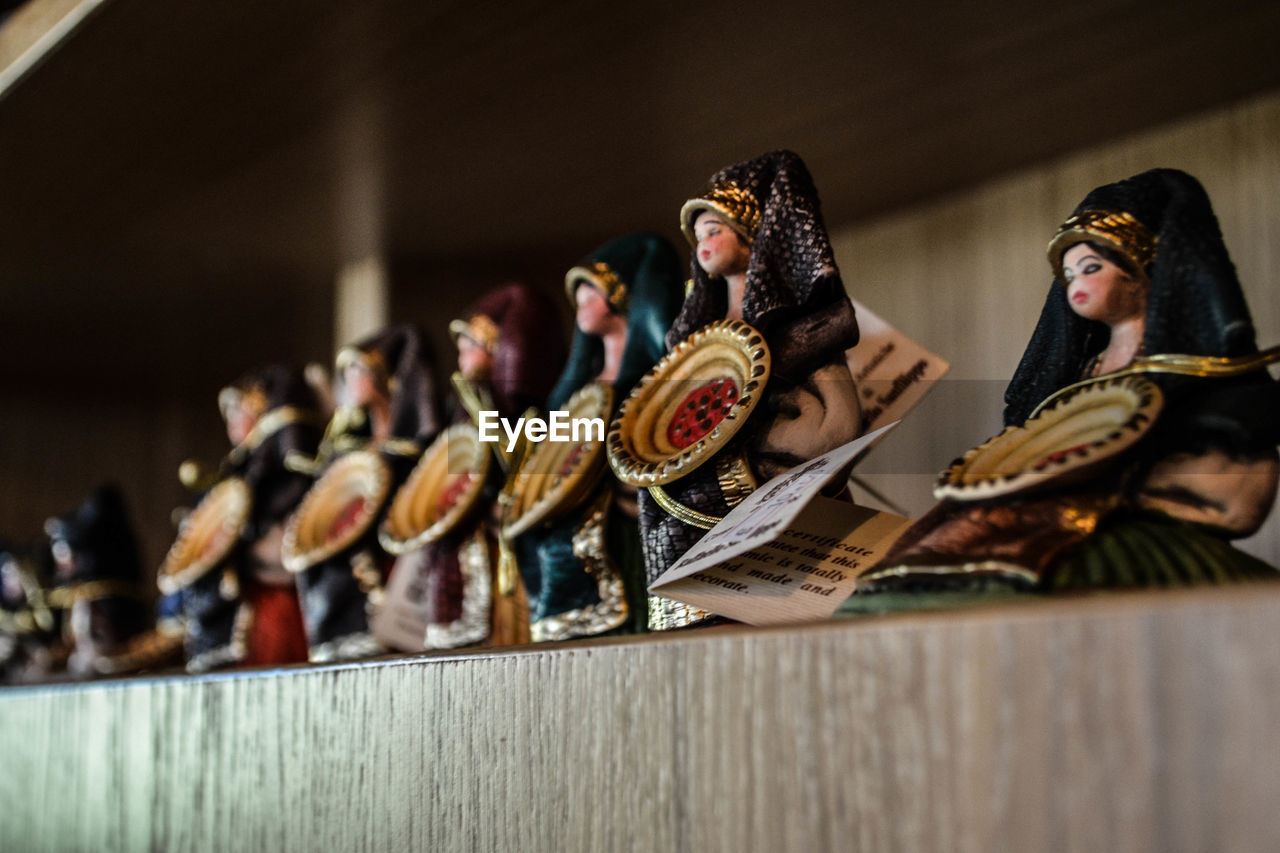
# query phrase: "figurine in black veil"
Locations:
[[237, 604], [764, 272], [1142, 424], [97, 581], [31, 645], [386, 415]]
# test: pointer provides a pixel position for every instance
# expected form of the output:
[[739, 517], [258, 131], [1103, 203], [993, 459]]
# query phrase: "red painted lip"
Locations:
[[1079, 296], [704, 254]]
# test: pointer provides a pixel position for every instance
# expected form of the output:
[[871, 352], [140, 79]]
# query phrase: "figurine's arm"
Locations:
[[1231, 492], [806, 420], [812, 405]]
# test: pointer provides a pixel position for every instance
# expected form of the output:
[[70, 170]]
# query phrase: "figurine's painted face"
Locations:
[[720, 250], [10, 582], [359, 385], [1098, 289], [474, 361], [64, 559], [241, 420], [595, 316]]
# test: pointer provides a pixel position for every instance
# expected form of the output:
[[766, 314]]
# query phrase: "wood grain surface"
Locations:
[[1135, 723]]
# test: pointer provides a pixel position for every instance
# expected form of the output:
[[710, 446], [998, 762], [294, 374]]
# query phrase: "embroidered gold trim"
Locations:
[[479, 328], [414, 518], [985, 567], [63, 597], [1083, 429], [737, 205], [1204, 366], [371, 360], [736, 478], [603, 278], [639, 449], [542, 490], [1118, 229], [207, 536], [682, 513], [17, 622], [307, 541], [347, 647], [146, 651], [665, 614], [272, 422]]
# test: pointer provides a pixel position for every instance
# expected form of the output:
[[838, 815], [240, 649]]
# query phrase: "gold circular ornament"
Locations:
[[207, 536], [337, 511], [441, 492], [1061, 444], [689, 405], [559, 475]]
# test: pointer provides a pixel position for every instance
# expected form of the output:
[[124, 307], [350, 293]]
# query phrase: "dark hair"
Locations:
[[1115, 256]]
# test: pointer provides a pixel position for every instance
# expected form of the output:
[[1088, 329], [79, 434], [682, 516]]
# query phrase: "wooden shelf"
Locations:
[[1132, 722]]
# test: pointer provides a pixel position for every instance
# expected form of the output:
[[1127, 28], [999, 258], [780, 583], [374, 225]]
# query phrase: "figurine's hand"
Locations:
[[808, 420], [1214, 487]]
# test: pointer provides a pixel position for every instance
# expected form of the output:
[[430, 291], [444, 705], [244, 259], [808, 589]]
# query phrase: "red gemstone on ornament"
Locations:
[[701, 411], [1059, 455], [347, 517], [452, 492]]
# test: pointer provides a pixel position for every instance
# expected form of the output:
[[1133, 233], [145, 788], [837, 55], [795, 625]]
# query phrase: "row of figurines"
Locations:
[[1141, 438]]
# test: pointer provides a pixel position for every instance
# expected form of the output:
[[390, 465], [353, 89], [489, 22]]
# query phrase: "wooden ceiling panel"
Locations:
[[284, 136]]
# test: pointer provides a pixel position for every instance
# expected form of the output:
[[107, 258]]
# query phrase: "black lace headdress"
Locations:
[[1194, 305]]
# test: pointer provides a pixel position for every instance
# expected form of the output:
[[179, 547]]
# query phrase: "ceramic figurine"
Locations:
[[576, 527], [31, 647], [441, 522], [1142, 424], [237, 604], [386, 414], [97, 581], [756, 380]]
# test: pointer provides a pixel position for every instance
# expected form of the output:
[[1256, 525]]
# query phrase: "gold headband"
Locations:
[[600, 276], [739, 208], [370, 359], [479, 328], [253, 399], [1117, 229]]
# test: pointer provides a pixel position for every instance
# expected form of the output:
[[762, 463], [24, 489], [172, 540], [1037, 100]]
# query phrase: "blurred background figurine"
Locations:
[[97, 581], [386, 413], [763, 388], [31, 646], [237, 604], [465, 585], [577, 526], [1141, 423]]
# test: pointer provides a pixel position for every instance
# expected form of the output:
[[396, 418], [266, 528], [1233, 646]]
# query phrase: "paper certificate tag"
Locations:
[[802, 575], [785, 554], [892, 372], [401, 622]]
